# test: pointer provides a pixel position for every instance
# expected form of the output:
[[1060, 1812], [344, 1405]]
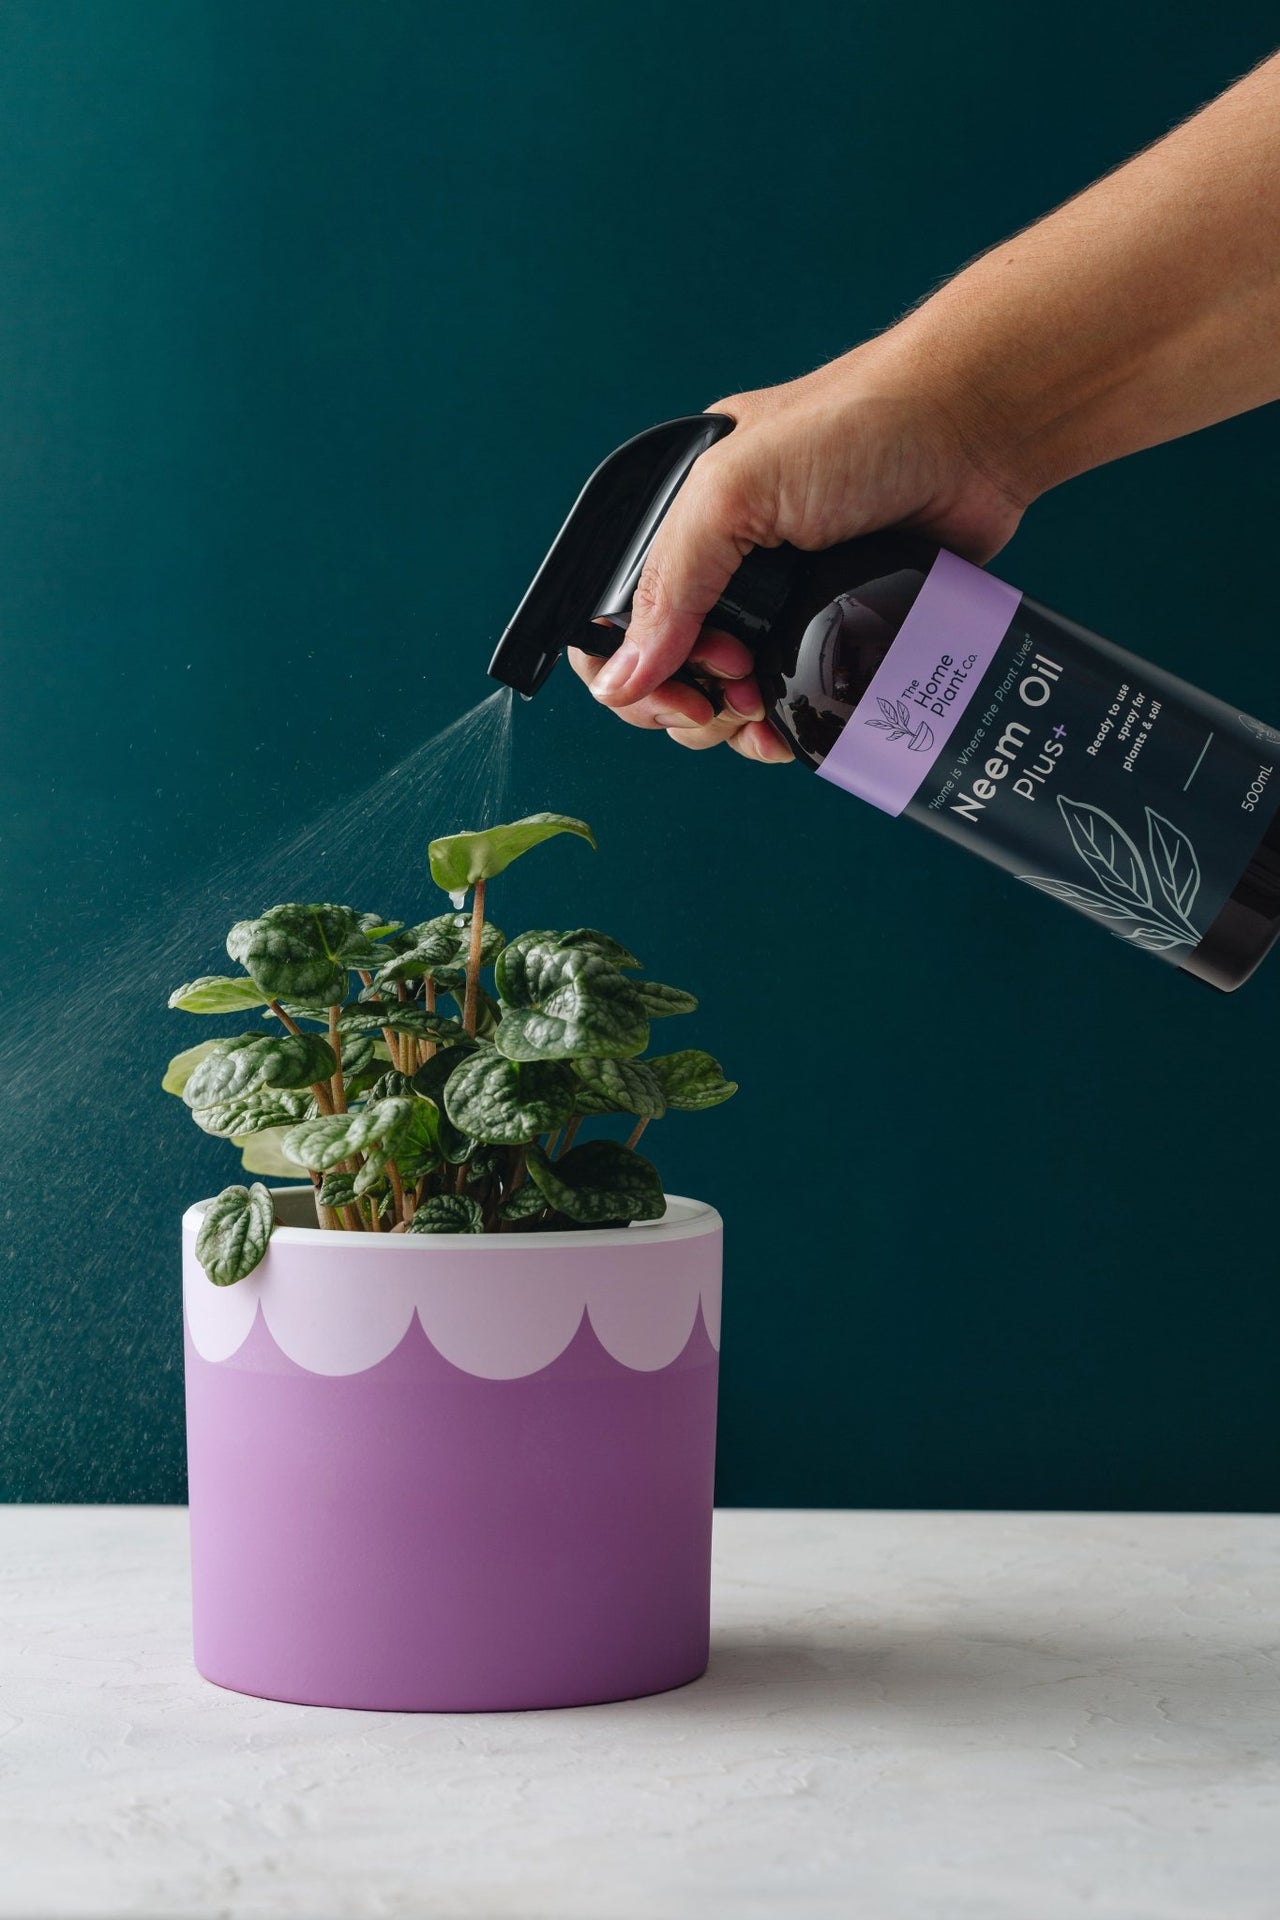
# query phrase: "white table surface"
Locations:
[[907, 1716]]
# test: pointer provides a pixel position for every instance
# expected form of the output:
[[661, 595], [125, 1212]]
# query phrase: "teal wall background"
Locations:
[[313, 319]]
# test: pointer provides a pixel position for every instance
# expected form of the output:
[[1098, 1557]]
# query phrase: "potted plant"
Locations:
[[450, 1405]]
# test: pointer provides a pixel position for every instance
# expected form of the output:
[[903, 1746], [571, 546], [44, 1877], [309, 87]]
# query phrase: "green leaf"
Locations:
[[261, 1153], [505, 1104], [297, 950], [448, 1213], [357, 1052], [561, 1002], [215, 993], [524, 1204], [320, 1143], [238, 939], [418, 1147], [691, 1080], [391, 1085], [183, 1065], [337, 1190], [441, 948], [659, 1001], [590, 940], [406, 1018], [250, 1113], [461, 859], [274, 1060], [234, 1233], [600, 1181], [619, 1086]]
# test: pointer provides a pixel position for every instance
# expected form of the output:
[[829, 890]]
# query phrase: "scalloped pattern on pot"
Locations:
[[499, 1308]]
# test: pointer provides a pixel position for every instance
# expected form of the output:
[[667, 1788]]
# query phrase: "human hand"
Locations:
[[863, 443]]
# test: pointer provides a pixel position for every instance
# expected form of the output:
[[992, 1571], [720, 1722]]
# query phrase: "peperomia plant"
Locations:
[[434, 1078]]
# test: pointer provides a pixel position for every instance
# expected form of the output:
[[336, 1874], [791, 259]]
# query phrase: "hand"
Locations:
[[860, 444]]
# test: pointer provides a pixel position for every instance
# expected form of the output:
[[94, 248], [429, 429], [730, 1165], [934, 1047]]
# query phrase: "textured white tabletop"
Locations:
[[907, 1716]]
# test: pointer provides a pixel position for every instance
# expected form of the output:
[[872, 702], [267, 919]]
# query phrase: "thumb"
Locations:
[[695, 554]]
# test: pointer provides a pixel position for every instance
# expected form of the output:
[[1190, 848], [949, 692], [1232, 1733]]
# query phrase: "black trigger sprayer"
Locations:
[[925, 685]]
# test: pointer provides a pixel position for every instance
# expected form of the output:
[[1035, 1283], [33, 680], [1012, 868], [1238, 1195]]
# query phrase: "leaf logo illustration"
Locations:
[[1108, 852], [1174, 863], [1126, 904], [898, 721]]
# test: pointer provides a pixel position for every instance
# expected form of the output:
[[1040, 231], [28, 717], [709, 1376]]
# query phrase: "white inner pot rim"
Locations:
[[684, 1219], [337, 1302]]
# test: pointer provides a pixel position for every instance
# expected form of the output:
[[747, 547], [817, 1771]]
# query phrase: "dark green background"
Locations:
[[313, 319]]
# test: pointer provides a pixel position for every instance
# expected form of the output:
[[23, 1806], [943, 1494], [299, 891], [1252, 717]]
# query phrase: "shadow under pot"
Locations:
[[453, 1472]]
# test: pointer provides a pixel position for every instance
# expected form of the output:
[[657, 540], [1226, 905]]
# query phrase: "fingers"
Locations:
[[694, 555], [670, 705], [689, 719]]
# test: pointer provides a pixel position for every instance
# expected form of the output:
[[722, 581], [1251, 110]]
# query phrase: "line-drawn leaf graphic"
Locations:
[[1156, 936], [1155, 939], [1174, 863], [889, 710], [906, 718], [923, 740], [897, 733], [881, 726], [1108, 852], [1083, 898]]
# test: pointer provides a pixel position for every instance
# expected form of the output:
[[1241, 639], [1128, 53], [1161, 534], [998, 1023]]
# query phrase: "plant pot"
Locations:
[[454, 1473]]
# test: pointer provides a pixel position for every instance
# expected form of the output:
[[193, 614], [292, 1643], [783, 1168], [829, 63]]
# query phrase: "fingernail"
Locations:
[[617, 670], [744, 701], [772, 750], [674, 720]]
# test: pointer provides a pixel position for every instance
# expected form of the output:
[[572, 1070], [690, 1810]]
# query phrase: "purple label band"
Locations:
[[923, 685]]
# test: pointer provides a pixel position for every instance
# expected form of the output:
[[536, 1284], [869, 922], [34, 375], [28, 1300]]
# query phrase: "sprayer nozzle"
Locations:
[[598, 549]]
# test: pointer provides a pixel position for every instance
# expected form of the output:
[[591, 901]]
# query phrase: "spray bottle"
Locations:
[[930, 688]]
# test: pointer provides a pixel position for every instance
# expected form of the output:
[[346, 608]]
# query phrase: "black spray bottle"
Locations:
[[928, 687]]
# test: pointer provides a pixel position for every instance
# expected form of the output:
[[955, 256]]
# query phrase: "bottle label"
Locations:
[[1082, 770]]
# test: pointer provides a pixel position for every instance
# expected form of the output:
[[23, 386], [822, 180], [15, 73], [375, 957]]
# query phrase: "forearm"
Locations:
[[1145, 308]]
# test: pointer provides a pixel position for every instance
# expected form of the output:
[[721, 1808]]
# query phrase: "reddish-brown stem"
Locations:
[[636, 1131], [283, 1017], [570, 1135], [428, 1047], [337, 1084], [473, 959], [397, 1189]]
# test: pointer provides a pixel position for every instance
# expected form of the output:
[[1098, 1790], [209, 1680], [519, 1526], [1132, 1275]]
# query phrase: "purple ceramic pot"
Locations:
[[447, 1473]]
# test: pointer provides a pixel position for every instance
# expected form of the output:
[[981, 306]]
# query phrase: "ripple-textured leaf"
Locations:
[[561, 1002], [507, 1103], [692, 1080], [599, 1181], [448, 1213], [234, 1233]]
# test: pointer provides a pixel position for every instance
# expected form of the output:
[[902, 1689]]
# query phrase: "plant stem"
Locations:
[[283, 1017], [427, 1049], [325, 1215], [461, 1180], [473, 959], [337, 1084], [636, 1131], [570, 1135], [397, 1189], [550, 1148], [353, 1218]]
